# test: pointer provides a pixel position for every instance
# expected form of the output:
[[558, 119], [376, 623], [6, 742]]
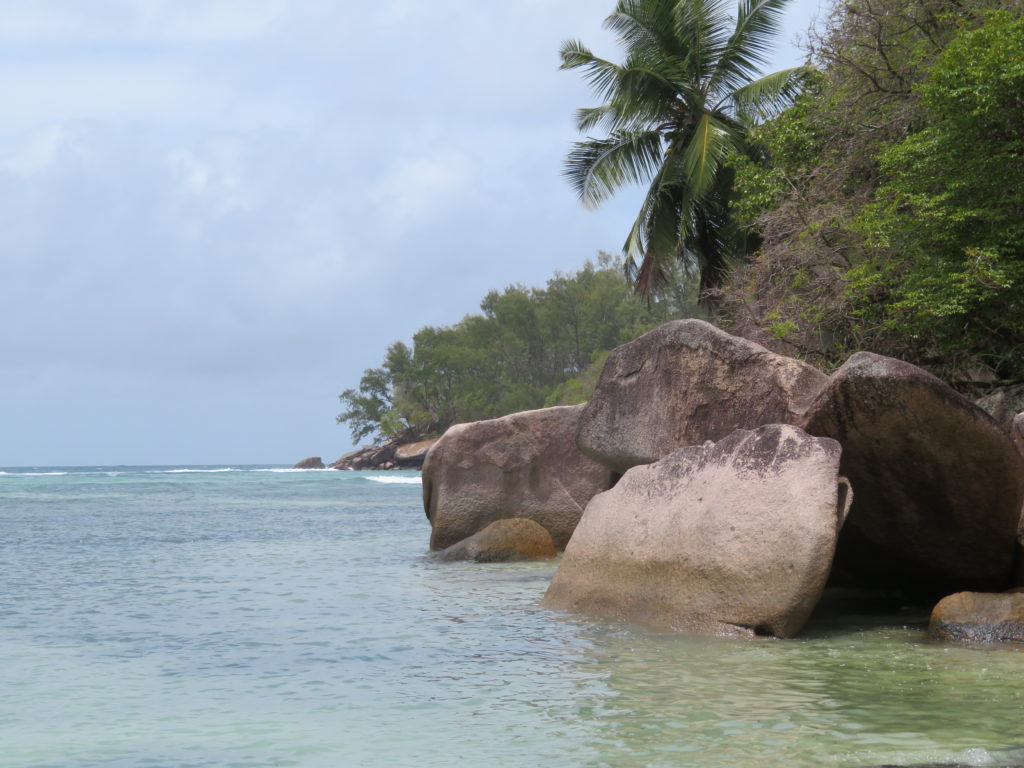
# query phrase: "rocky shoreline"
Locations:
[[713, 486], [393, 454]]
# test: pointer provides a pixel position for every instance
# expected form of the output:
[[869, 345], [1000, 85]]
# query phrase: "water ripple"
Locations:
[[258, 619]]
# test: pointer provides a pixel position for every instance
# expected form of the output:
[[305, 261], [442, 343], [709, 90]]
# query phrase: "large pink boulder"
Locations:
[[1017, 432], [684, 383], [728, 538], [522, 465], [939, 484]]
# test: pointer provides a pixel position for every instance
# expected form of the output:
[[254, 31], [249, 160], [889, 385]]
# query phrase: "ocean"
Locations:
[[244, 617]]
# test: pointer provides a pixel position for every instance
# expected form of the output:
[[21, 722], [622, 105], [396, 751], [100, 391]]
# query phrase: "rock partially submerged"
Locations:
[[367, 457], [522, 465], [939, 485], [313, 462], [390, 455], [979, 617], [504, 541], [684, 383], [734, 537], [738, 536]]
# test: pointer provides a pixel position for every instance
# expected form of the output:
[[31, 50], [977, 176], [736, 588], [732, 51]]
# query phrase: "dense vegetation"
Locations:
[[891, 208], [883, 209], [531, 347]]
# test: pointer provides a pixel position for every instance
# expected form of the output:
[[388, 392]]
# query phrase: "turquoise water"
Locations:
[[260, 617]]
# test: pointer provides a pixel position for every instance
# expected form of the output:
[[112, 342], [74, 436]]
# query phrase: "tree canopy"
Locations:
[[529, 348]]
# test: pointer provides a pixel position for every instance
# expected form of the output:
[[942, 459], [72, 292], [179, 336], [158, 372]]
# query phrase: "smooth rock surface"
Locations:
[[411, 455], [939, 485], [366, 457], [313, 462], [503, 541], [1017, 434], [1018, 574], [684, 383], [979, 617], [729, 538], [389, 455], [522, 465]]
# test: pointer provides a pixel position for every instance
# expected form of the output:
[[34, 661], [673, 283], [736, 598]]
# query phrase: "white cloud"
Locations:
[[35, 92], [216, 178], [419, 189], [37, 154], [204, 190], [73, 22]]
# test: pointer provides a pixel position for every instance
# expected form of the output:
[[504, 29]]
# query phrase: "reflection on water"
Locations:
[[863, 691], [852, 691]]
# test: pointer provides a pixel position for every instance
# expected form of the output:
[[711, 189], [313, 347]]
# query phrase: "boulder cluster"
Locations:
[[392, 454], [713, 486]]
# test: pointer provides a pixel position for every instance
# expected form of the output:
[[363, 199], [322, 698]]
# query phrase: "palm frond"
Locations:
[[666, 232], [620, 115], [709, 248], [599, 73], [596, 168], [646, 88], [636, 242], [644, 25], [749, 46], [767, 96], [701, 28], [588, 118], [705, 150]]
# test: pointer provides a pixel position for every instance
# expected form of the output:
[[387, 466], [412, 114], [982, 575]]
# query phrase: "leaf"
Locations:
[[757, 26], [768, 96], [598, 167], [703, 154]]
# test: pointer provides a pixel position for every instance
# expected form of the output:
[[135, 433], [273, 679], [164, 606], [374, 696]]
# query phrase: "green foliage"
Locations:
[[530, 347], [677, 110], [787, 148], [579, 388], [369, 406], [888, 198], [946, 229]]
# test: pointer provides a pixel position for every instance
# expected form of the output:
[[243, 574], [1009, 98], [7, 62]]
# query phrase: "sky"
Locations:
[[217, 213]]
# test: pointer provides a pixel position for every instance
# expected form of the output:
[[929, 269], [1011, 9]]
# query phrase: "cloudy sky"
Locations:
[[217, 213]]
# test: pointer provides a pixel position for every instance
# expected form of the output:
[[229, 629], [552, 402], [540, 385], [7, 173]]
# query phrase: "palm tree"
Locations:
[[677, 107]]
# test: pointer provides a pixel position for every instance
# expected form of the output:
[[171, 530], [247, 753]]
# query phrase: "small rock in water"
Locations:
[[978, 756], [515, 538], [979, 617]]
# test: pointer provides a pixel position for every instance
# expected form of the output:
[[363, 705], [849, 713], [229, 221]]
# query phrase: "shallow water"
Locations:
[[270, 618]]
